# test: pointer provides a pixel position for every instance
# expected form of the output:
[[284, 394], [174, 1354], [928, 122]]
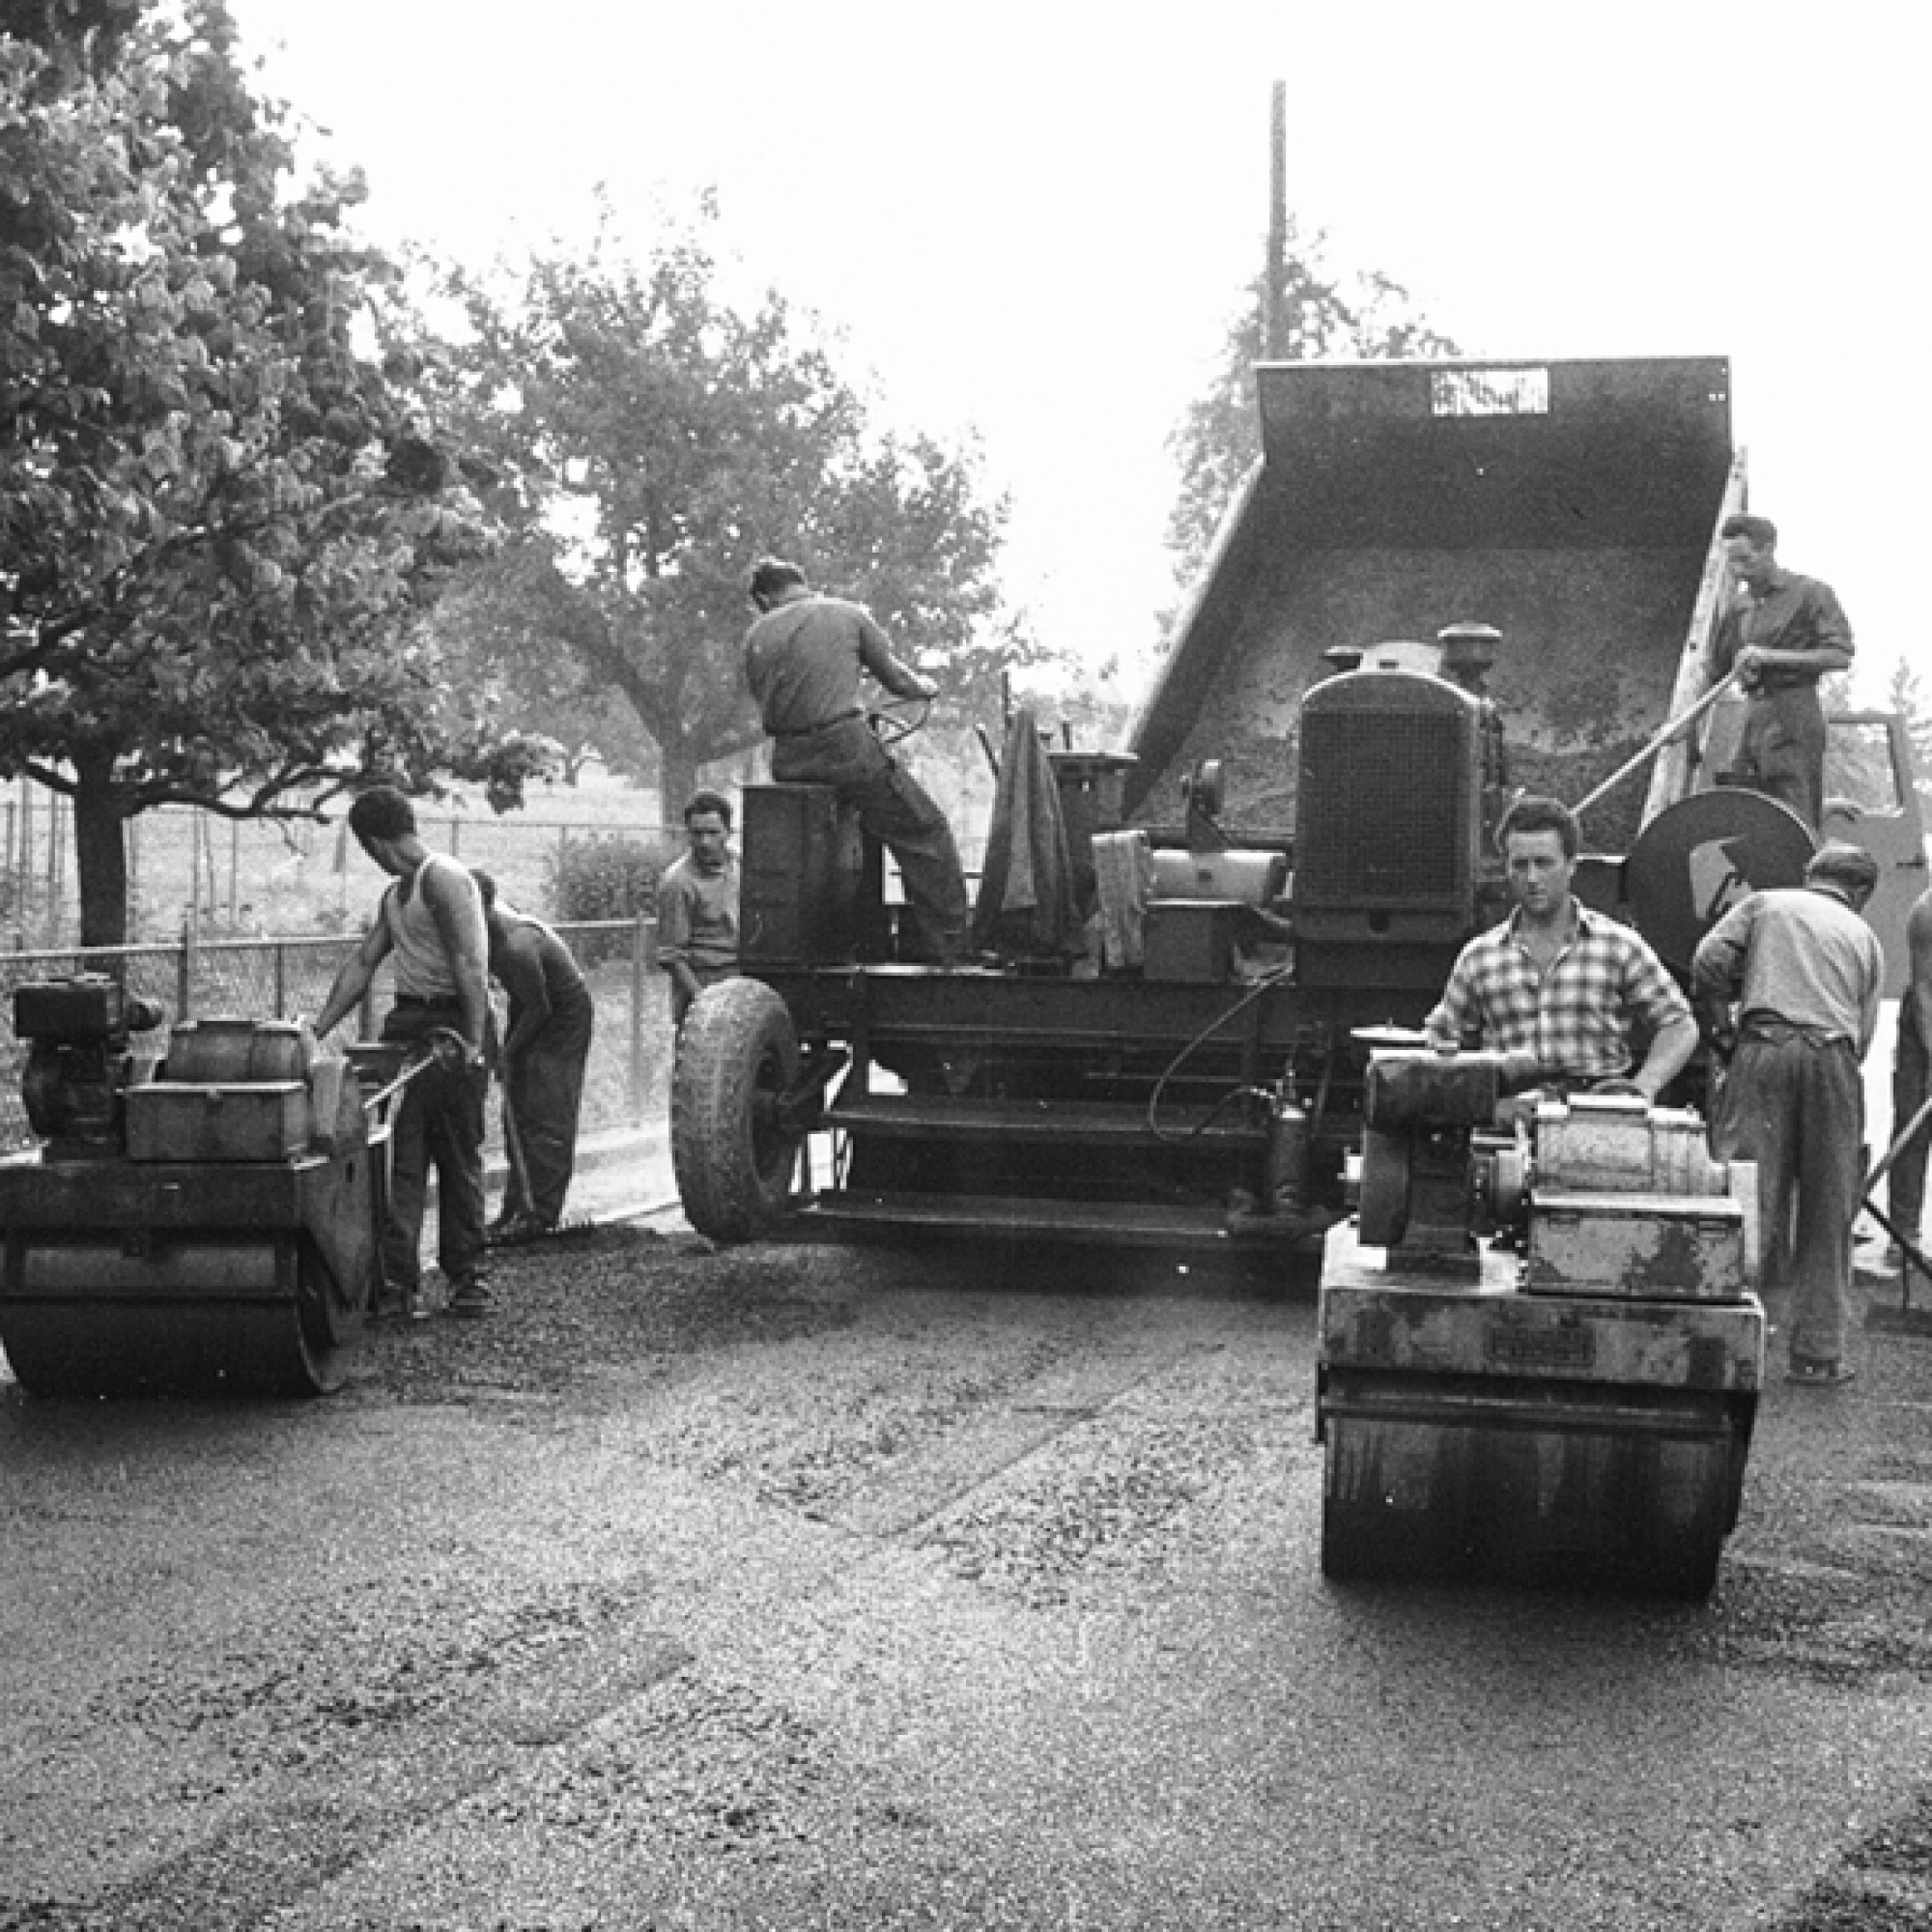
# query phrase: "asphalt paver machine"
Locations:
[[1443, 584]]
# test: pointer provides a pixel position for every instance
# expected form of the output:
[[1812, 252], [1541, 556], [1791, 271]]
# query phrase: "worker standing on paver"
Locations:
[[802, 660], [544, 1052], [1781, 634], [1787, 984], [697, 904]]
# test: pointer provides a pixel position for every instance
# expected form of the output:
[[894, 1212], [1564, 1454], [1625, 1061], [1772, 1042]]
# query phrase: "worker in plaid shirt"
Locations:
[[1556, 987]]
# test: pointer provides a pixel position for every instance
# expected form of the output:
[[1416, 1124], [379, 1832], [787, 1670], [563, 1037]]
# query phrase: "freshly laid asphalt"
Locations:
[[796, 1587]]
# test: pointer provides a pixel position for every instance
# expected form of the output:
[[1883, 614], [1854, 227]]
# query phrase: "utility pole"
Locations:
[[1275, 302]]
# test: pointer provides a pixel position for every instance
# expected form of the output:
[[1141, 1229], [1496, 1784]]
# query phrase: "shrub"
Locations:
[[603, 878]]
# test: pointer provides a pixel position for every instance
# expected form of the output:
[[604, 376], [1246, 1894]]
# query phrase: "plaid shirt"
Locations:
[[1577, 1019]]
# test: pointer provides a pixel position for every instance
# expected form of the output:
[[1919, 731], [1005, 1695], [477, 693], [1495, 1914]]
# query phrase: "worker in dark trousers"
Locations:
[[1787, 985], [803, 659], [431, 921], [1781, 634], [543, 1055], [1910, 1084]]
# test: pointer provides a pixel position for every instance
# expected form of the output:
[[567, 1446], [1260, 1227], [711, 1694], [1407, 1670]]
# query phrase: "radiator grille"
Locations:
[[1384, 809]]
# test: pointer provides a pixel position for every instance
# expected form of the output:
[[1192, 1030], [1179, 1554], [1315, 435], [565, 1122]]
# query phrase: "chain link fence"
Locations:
[[626, 1082], [211, 876]]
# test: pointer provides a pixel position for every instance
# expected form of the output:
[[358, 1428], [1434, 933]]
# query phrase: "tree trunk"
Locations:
[[99, 851], [677, 779]]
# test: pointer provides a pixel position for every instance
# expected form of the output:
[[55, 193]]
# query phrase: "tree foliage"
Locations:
[[221, 512], [653, 440], [1326, 314], [1907, 692]]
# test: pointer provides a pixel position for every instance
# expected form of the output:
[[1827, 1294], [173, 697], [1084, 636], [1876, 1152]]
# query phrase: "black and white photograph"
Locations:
[[963, 970]]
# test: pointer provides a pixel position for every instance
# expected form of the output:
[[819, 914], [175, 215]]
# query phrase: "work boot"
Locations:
[[469, 1295]]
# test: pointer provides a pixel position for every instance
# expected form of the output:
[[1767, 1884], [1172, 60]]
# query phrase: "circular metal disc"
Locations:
[[1698, 858]]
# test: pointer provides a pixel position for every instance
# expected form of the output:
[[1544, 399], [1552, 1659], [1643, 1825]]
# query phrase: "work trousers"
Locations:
[[1796, 1107], [1906, 1181], [543, 1091], [437, 1124], [896, 811], [1782, 751]]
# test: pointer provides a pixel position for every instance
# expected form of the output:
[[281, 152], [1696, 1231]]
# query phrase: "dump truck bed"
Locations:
[[1571, 506]]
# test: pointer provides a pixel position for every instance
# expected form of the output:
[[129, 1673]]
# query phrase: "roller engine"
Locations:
[[80, 1060]]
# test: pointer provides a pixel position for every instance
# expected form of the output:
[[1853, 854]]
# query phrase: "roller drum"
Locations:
[[213, 1314]]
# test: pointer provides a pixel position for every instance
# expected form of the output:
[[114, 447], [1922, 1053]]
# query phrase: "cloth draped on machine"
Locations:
[[1026, 905]]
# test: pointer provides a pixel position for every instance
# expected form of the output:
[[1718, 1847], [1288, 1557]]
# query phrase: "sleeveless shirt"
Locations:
[[423, 968]]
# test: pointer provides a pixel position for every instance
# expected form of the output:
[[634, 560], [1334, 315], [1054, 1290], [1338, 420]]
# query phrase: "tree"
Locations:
[[221, 515], [653, 442], [1325, 314], [1906, 693]]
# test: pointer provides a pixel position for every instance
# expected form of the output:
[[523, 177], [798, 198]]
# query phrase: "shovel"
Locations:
[[1905, 1317]]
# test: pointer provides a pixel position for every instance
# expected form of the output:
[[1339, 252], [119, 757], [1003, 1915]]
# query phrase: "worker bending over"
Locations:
[[544, 1053], [1558, 989]]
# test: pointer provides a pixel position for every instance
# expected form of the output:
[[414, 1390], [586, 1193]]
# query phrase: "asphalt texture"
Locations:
[[796, 1587]]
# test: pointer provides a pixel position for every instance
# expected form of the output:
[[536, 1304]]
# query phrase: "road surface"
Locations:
[[796, 1588]]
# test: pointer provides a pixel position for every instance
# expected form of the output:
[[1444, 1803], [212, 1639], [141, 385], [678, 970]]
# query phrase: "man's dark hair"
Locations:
[[381, 812], [708, 801], [485, 885], [1531, 813], [772, 574], [1760, 533], [1850, 867]]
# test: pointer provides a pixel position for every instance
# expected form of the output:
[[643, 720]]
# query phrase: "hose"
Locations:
[[1265, 983]]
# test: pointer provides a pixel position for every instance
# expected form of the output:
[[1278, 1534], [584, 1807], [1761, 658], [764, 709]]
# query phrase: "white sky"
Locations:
[[1035, 220]]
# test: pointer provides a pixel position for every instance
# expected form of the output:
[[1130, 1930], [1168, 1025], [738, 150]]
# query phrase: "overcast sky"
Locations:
[[1035, 220]]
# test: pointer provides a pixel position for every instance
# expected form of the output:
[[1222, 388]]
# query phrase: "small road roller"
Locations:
[[210, 1228], [1541, 1346]]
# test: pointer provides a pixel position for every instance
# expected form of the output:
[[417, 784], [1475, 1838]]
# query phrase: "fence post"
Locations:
[[365, 1012], [281, 980], [640, 947], [184, 973]]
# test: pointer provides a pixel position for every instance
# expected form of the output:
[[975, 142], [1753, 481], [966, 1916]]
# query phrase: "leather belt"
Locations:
[[812, 730]]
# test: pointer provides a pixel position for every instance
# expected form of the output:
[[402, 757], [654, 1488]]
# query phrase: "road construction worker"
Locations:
[[546, 1048], [1557, 989], [1782, 633], [697, 904], [804, 657], [1788, 984], [431, 918]]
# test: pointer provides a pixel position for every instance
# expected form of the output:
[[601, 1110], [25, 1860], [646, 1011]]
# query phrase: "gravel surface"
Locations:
[[795, 1587]]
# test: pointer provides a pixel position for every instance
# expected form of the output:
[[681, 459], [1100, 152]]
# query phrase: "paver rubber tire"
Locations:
[[732, 1154]]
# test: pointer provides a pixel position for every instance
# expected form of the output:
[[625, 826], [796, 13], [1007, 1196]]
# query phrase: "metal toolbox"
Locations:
[[198, 1121], [1652, 1246]]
